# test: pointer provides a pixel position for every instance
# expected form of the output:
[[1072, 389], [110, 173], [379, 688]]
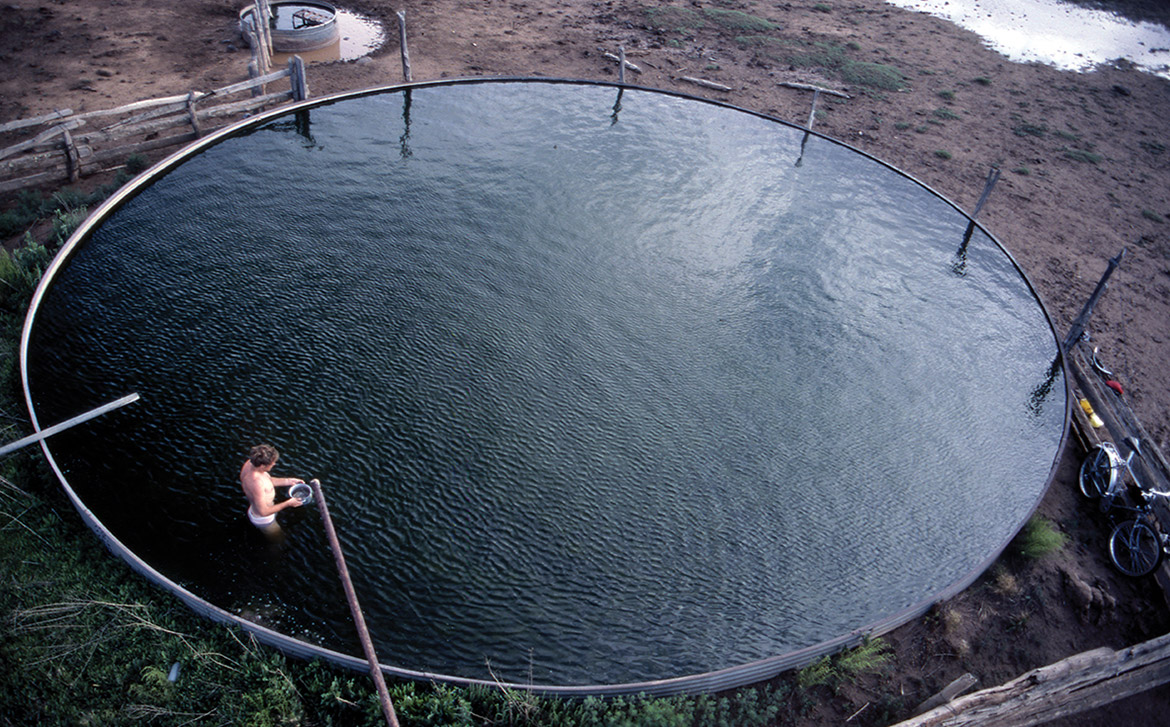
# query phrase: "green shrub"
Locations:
[[136, 163], [672, 18], [876, 75], [946, 95], [1038, 538], [738, 20], [1153, 216], [945, 113], [1026, 129], [871, 655], [1080, 155], [942, 153]]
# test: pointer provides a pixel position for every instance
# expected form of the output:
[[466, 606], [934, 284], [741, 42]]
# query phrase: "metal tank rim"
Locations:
[[707, 682]]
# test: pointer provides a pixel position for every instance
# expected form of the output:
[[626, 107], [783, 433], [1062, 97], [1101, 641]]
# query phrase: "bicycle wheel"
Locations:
[[1097, 473], [1135, 548]]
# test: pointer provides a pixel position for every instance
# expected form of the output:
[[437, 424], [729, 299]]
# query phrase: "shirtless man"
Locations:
[[260, 486]]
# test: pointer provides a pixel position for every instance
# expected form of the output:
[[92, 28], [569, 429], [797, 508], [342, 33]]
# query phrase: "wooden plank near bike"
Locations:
[[1068, 687]]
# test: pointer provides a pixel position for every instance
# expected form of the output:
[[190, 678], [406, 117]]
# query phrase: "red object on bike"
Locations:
[[1115, 385]]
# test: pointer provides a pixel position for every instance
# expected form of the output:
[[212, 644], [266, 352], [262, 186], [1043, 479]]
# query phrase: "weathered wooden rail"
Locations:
[[1068, 687], [76, 145]]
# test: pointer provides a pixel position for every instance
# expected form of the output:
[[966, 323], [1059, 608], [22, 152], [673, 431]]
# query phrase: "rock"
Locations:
[[1079, 592], [1093, 604]]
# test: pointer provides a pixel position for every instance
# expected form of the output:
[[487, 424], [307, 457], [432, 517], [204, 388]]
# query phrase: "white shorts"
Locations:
[[261, 521]]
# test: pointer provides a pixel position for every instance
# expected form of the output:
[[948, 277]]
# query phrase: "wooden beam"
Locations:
[[811, 87], [1068, 687], [35, 121], [706, 84]]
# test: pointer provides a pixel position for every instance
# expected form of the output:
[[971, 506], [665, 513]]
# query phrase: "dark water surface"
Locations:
[[604, 396]]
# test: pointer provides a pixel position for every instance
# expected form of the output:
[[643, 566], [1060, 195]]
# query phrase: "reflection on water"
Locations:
[[1057, 33]]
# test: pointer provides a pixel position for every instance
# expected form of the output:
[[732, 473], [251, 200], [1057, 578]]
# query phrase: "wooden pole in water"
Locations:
[[358, 619], [25, 441]]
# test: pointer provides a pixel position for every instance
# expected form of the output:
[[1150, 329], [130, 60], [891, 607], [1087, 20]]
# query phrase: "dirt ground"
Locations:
[[1085, 172]]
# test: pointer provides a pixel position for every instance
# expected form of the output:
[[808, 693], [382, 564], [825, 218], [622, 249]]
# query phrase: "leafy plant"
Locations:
[[1153, 216], [946, 95], [869, 656], [942, 153], [945, 113]]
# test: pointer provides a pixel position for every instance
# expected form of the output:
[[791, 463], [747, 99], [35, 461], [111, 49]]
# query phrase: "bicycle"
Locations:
[[1135, 546], [1102, 472]]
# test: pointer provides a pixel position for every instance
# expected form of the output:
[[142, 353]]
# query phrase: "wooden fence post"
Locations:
[[72, 156], [298, 80], [192, 115], [402, 43]]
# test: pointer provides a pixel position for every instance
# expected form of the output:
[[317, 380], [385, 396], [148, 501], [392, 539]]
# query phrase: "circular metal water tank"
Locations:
[[296, 26]]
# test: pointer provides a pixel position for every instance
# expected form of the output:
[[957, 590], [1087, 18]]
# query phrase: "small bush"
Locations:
[[1022, 171], [945, 113], [738, 20], [681, 19], [877, 75], [1039, 538], [1080, 155], [946, 95], [871, 655], [902, 125], [819, 672], [136, 163], [942, 153], [1152, 216], [983, 81], [1026, 129], [822, 8]]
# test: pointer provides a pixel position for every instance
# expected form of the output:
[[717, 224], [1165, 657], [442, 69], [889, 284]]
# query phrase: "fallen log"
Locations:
[[1079, 683]]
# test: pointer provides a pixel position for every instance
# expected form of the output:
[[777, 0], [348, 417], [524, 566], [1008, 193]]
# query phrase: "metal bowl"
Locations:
[[302, 492]]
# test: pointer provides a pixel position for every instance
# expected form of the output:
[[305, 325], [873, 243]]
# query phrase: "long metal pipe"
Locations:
[[25, 441]]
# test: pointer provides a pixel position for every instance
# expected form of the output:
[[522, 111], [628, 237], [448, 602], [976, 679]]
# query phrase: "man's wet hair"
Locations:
[[263, 454]]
